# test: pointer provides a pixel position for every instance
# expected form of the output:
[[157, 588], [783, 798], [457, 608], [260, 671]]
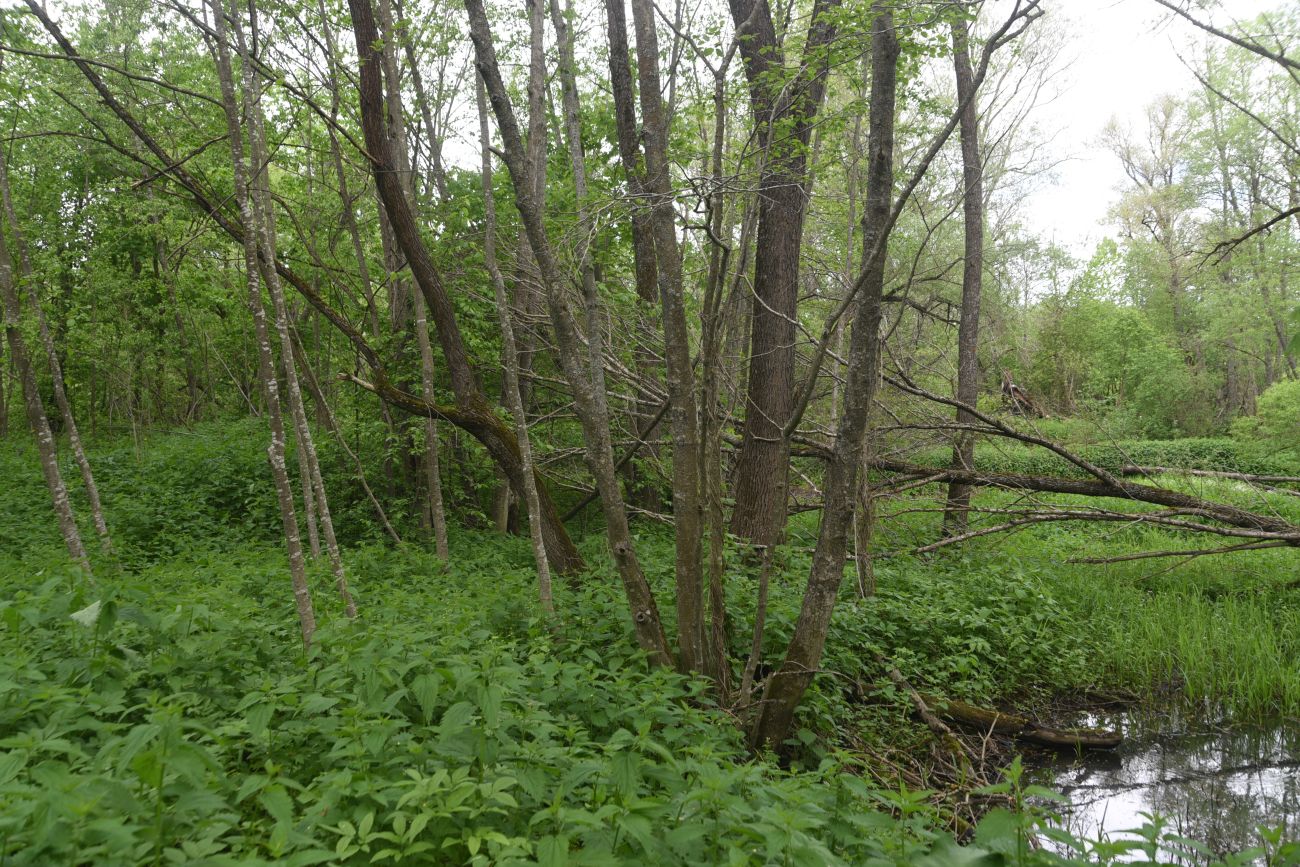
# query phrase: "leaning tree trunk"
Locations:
[[36, 417], [265, 359], [968, 370], [314, 494], [589, 406], [473, 410], [56, 369], [785, 688]]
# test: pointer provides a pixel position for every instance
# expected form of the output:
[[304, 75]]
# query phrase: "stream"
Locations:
[[1210, 782]]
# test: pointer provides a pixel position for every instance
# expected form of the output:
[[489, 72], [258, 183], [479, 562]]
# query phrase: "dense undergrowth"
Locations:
[[169, 715]]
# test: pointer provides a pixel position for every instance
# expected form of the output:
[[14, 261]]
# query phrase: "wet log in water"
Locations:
[[1022, 727]]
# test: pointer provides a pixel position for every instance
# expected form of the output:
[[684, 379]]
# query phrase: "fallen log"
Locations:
[[1270, 484], [1221, 512], [1135, 470], [1022, 727]]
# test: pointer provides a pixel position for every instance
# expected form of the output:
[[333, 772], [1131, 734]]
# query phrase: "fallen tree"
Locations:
[[1257, 526], [1253, 478], [1022, 727]]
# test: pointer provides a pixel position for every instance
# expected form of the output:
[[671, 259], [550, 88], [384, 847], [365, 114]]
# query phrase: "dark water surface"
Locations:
[[1211, 782]]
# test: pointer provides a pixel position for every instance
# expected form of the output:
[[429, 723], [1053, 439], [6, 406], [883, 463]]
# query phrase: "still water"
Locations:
[[1211, 782]]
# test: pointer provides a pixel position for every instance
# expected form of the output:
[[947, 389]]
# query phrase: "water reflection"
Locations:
[[1211, 784]]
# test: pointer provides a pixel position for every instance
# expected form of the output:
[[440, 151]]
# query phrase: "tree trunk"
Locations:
[[589, 405], [314, 494], [968, 370], [266, 362], [785, 688], [762, 469], [52, 358], [411, 305], [36, 417], [682, 414], [474, 412], [513, 399]]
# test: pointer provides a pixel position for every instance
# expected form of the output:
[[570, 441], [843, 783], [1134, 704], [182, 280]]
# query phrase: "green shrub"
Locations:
[[172, 720], [1275, 426]]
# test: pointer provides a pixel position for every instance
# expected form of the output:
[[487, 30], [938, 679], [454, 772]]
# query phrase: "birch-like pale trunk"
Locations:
[[52, 358], [36, 418], [331, 424], [263, 227], [265, 359]]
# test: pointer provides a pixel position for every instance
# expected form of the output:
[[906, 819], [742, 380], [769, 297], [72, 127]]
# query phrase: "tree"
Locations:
[[784, 106], [972, 278]]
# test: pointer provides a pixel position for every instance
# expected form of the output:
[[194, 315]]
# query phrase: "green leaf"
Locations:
[[425, 688], [278, 803]]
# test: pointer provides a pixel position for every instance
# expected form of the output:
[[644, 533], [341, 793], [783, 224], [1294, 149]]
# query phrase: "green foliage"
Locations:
[[1275, 427], [170, 719]]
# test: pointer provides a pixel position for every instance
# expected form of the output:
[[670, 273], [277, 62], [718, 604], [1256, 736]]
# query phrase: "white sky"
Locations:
[[1125, 56]]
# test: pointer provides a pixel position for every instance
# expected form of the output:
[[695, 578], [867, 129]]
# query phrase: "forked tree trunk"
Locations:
[[265, 359], [968, 369], [783, 111], [590, 406], [785, 688]]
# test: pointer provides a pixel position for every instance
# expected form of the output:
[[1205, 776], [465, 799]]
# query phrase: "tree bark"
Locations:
[[52, 358], [36, 417], [682, 416], [314, 493], [513, 399], [266, 362], [411, 299], [968, 370], [784, 111], [645, 270], [785, 688]]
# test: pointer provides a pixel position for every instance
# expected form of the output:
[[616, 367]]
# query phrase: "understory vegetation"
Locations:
[[155, 717]]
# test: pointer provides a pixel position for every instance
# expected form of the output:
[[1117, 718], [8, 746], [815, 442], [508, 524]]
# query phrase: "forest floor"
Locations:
[[168, 712]]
